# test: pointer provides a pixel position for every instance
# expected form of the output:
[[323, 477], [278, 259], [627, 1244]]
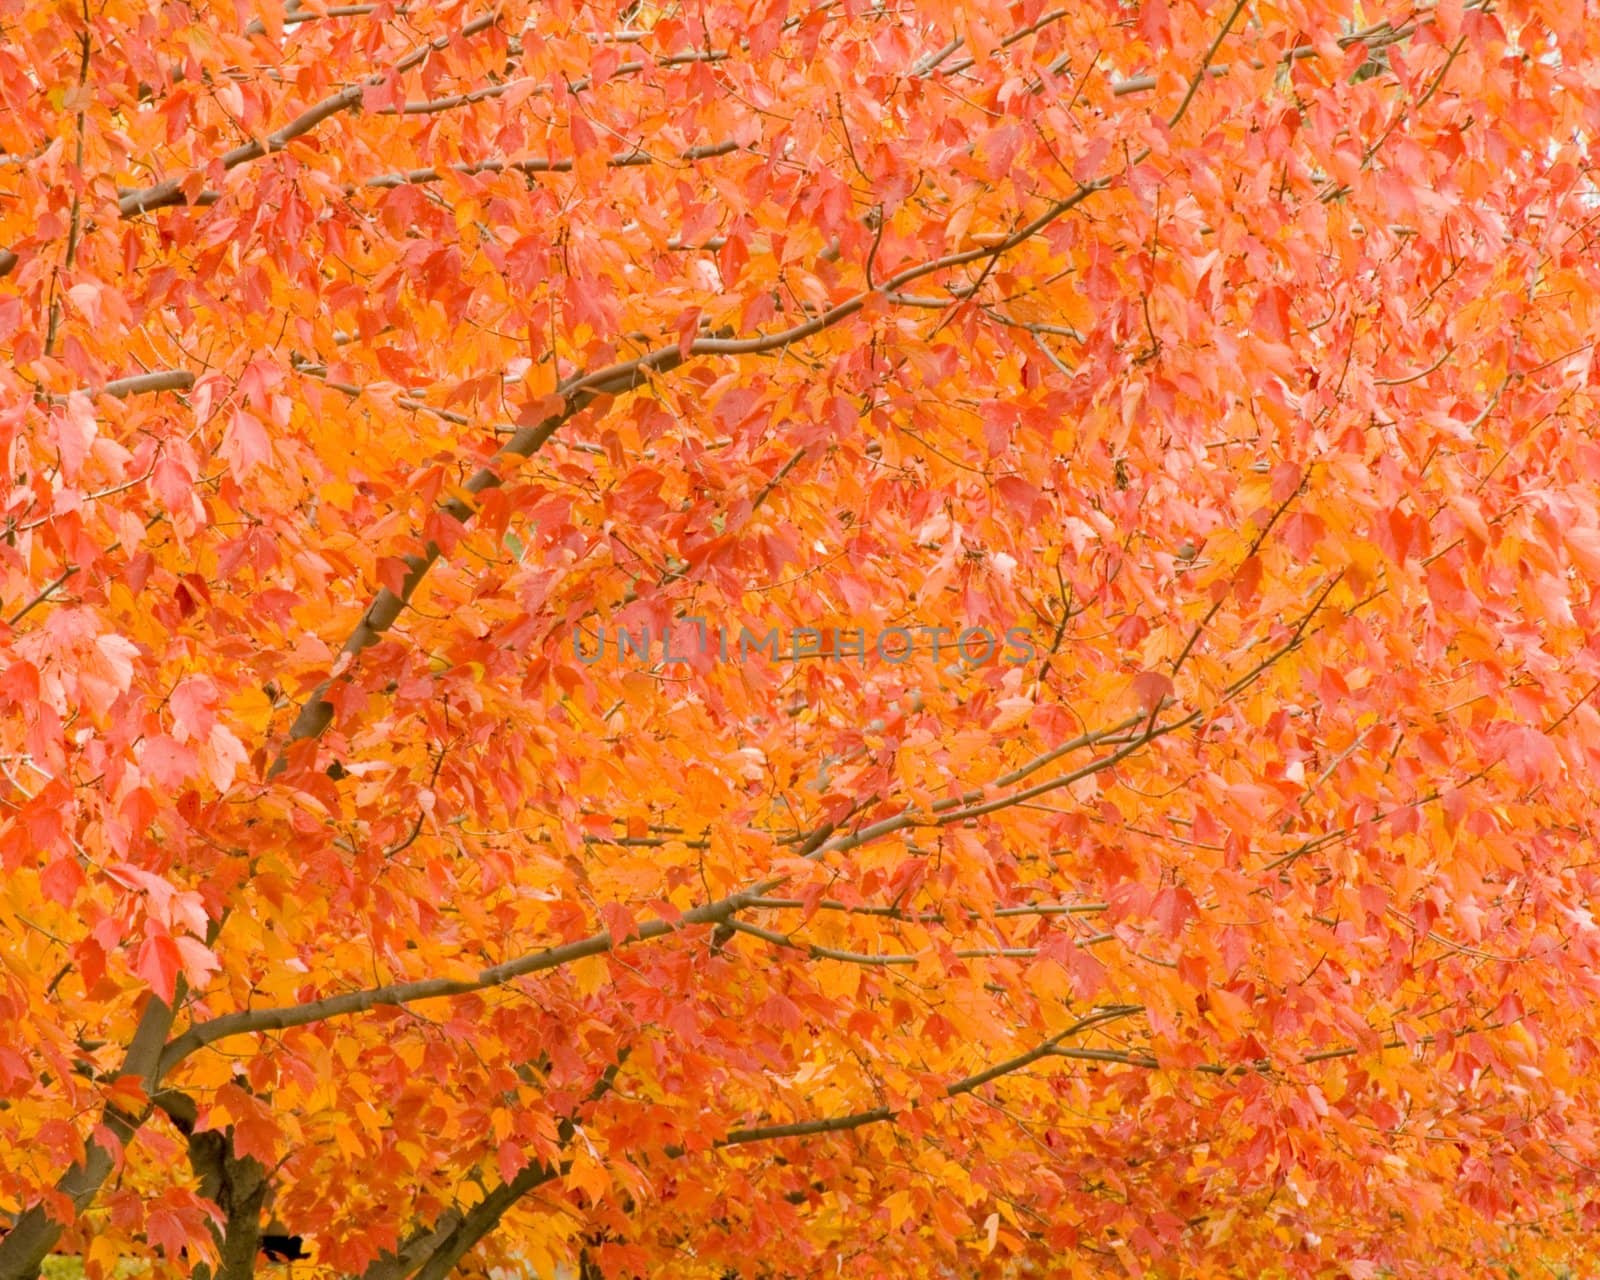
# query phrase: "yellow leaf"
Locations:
[[102, 1256], [587, 1174], [590, 974]]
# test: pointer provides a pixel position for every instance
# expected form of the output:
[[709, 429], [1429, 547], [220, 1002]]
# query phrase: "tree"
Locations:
[[761, 640]]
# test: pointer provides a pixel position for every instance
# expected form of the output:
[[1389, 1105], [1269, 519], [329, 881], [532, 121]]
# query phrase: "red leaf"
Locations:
[[1150, 689], [688, 327], [1173, 908], [61, 879], [619, 921], [165, 1229], [159, 964], [510, 1160], [1154, 21]]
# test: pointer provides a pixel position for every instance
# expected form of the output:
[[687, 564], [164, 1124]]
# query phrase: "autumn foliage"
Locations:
[[368, 366]]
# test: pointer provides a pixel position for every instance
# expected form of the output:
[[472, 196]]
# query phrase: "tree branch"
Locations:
[[169, 191], [139, 384], [1205, 63], [317, 713], [166, 193], [448, 1247], [621, 160], [249, 1021], [721, 912], [238, 1187], [34, 1233], [485, 1216]]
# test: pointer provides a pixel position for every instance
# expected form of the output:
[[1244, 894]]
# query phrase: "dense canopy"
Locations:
[[771, 640]]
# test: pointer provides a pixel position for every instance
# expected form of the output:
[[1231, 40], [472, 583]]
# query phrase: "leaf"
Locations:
[[167, 1232], [73, 432], [1151, 689], [245, 445], [127, 1093], [199, 961], [159, 963], [193, 704], [86, 298]]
